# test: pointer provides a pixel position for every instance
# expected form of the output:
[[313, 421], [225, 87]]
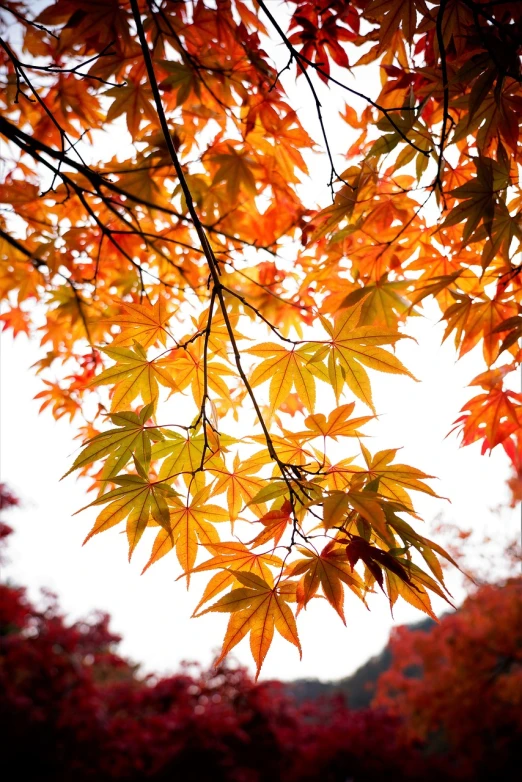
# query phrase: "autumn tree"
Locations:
[[174, 321], [458, 687]]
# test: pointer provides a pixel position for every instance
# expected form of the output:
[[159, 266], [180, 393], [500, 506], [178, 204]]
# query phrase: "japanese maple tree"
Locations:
[[176, 324]]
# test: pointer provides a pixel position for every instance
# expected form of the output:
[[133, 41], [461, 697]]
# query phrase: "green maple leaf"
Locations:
[[130, 438]]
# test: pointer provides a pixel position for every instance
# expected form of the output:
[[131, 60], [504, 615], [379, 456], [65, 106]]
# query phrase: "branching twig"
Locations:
[[211, 260], [302, 61], [445, 88]]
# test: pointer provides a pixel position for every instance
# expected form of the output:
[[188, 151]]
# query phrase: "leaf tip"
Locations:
[[147, 566]]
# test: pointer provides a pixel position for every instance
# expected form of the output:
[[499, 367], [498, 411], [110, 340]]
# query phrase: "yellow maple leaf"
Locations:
[[234, 555], [187, 368], [144, 323], [352, 346], [133, 375], [285, 369], [255, 608], [338, 423], [190, 525], [240, 484], [136, 499]]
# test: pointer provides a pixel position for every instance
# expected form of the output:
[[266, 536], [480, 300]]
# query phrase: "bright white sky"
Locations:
[[152, 612]]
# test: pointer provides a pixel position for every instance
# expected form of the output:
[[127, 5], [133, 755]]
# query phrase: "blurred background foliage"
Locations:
[[442, 701]]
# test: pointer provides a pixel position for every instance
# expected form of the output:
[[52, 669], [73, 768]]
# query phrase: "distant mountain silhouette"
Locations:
[[357, 689]]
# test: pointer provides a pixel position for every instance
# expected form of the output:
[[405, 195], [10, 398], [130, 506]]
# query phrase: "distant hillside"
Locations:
[[358, 688]]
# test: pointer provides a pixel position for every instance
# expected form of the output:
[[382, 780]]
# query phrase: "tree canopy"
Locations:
[[197, 312]]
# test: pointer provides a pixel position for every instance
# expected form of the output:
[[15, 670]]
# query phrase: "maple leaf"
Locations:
[[414, 592], [429, 285], [132, 437], [285, 369], [240, 484], [184, 455], [17, 320], [136, 499], [395, 14], [368, 504], [425, 546], [289, 447], [491, 417], [219, 337], [320, 31], [180, 78], [234, 555], [143, 323], [235, 168], [478, 197], [187, 368], [350, 347], [338, 475], [256, 608], [287, 140], [498, 236], [189, 525], [382, 302], [329, 570], [341, 209], [134, 100], [60, 401], [473, 320], [411, 591], [276, 523], [394, 480], [375, 559], [138, 181], [513, 326], [338, 423], [133, 375]]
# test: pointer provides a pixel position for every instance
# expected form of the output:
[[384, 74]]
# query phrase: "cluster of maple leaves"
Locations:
[[160, 272]]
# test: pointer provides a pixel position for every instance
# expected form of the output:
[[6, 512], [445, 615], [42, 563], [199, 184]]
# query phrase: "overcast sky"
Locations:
[[152, 612]]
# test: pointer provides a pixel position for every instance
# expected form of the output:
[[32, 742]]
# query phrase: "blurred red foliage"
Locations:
[[73, 710], [7, 500], [458, 687]]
